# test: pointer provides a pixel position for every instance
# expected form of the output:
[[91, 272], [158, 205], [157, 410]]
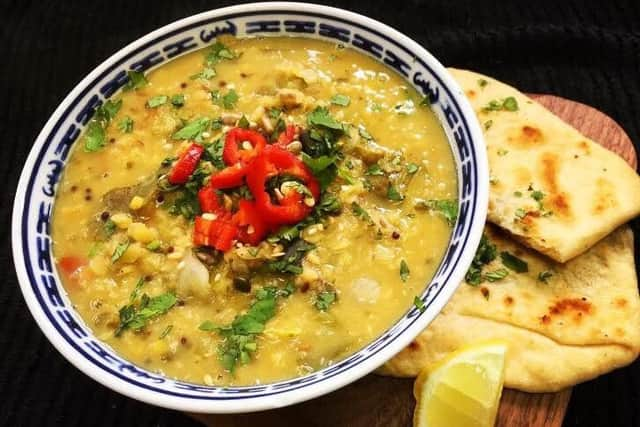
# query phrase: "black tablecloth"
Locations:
[[586, 51]]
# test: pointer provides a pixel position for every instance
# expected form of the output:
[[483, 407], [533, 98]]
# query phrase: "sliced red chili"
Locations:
[[208, 199], [218, 233], [186, 164], [287, 136], [291, 207], [229, 177], [234, 148], [252, 227]]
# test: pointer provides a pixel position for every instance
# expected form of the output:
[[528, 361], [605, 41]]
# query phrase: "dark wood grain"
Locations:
[[376, 401]]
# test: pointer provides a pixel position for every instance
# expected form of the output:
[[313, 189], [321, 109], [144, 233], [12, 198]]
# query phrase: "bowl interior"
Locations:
[[33, 206]]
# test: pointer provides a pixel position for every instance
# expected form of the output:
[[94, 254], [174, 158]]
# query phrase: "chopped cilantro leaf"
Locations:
[[177, 100], [514, 263], [419, 304], [94, 137], [107, 111], [291, 261], [157, 101], [359, 212], [137, 318], [206, 74], [341, 100], [374, 170], [136, 81], [119, 251], [404, 271], [412, 168], [218, 52], [240, 336], [520, 213], [502, 152], [229, 99], [136, 290], [507, 104], [488, 124], [193, 130], [321, 117], [495, 275], [482, 83], [324, 299], [109, 228], [485, 253], [362, 131], [448, 208], [393, 194], [126, 124]]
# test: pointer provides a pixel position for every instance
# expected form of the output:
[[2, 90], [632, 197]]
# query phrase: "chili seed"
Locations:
[[183, 85], [395, 235]]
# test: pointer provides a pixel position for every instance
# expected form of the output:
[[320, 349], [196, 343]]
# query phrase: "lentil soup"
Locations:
[[254, 211]]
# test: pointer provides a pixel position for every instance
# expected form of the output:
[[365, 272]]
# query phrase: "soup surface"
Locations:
[[254, 211]]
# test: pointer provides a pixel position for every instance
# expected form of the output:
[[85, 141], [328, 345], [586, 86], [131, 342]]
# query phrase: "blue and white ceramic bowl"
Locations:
[[36, 193]]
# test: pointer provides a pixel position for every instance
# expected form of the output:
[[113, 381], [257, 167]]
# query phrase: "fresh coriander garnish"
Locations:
[[193, 130], [136, 81], [517, 193], [206, 74], [219, 52], [485, 253], [157, 101], [544, 276], [341, 100], [228, 100], [419, 304], [95, 136], [482, 83], [119, 251], [362, 131], [502, 152], [393, 194], [240, 336], [126, 124], [448, 208], [109, 228], [359, 212], [324, 299], [177, 100], [374, 170], [488, 124], [136, 318], [507, 104], [404, 271], [495, 275], [291, 261], [520, 213], [514, 263], [412, 168]]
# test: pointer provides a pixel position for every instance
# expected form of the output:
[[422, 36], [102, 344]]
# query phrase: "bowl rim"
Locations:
[[324, 385]]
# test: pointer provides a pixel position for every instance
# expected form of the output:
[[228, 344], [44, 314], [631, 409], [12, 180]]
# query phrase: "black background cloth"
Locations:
[[585, 51]]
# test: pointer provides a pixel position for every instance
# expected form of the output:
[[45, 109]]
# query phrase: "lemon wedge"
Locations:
[[463, 390]]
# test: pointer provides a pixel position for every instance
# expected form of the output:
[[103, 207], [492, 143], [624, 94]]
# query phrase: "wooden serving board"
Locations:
[[376, 401]]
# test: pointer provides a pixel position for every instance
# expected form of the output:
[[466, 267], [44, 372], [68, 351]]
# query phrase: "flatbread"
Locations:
[[587, 190], [584, 322]]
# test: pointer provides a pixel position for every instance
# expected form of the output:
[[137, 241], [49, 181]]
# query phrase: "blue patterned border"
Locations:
[[40, 189]]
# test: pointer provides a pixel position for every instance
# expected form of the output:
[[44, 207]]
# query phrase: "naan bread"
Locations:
[[585, 191], [584, 322]]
